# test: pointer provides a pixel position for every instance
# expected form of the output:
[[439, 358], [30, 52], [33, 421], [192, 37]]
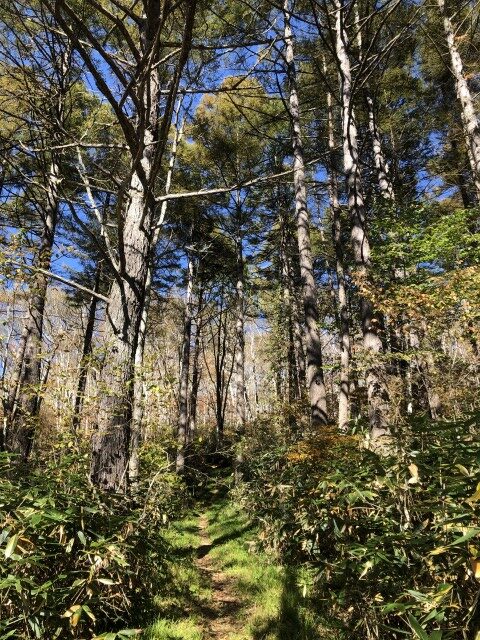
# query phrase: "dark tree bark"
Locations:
[[240, 389], [185, 371], [240, 398], [196, 372], [221, 375], [86, 352], [23, 400], [295, 383]]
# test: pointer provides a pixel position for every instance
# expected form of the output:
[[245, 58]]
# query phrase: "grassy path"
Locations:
[[220, 588], [225, 604]]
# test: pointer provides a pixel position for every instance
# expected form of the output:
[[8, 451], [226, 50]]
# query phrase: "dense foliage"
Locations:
[[390, 540], [75, 562]]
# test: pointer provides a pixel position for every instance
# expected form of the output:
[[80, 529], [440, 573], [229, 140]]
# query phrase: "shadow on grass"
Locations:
[[202, 550], [232, 535], [267, 604], [293, 620], [278, 609], [180, 595]]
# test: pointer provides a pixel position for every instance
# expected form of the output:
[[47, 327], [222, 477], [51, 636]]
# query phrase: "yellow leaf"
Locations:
[[366, 568], [75, 619], [476, 495], [463, 470], [438, 551], [12, 543], [69, 612], [475, 562], [414, 473]]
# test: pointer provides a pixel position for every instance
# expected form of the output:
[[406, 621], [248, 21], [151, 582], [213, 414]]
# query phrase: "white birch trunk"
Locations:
[[469, 117], [377, 392], [343, 312], [381, 166], [314, 366]]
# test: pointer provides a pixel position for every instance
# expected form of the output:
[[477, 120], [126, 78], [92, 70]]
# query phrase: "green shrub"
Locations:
[[75, 562], [392, 540]]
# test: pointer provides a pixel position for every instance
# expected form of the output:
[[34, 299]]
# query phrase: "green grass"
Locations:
[[179, 604], [175, 630], [275, 603], [275, 606]]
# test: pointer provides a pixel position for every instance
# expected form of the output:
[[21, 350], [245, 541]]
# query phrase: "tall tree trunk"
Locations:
[[293, 383], [220, 377], [286, 315], [469, 117], [196, 373], [136, 230], [221, 385], [138, 387], [315, 379], [377, 392], [299, 350], [185, 371], [400, 337], [23, 402], [138, 384], [253, 356], [381, 167], [193, 400], [240, 399], [86, 351], [380, 164], [343, 311], [110, 443]]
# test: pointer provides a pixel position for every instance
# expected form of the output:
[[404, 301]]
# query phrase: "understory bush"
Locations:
[[75, 562], [392, 541]]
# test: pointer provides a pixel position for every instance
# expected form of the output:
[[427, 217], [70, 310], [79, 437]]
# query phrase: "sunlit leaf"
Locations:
[[11, 545]]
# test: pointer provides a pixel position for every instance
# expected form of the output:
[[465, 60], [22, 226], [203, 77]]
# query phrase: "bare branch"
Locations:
[[61, 279], [228, 189], [93, 205]]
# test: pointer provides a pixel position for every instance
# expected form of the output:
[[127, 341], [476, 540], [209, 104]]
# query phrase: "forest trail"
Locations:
[[223, 619], [221, 587]]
